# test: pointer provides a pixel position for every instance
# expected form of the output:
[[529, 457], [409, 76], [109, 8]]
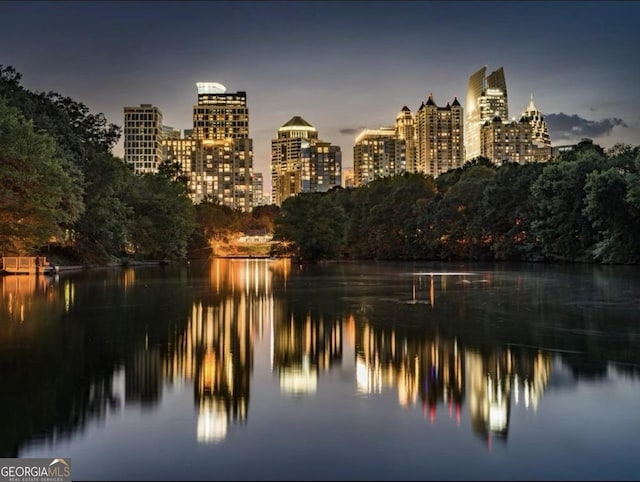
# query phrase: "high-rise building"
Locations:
[[219, 115], [378, 153], [348, 179], [507, 141], [224, 153], [486, 98], [540, 131], [300, 162], [143, 138], [258, 190], [321, 166], [526, 140], [216, 155], [181, 150], [439, 137], [406, 131]]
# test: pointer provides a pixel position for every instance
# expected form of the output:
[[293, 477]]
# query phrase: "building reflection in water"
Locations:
[[215, 351], [496, 379], [25, 296], [211, 346], [424, 370], [433, 370], [303, 348]]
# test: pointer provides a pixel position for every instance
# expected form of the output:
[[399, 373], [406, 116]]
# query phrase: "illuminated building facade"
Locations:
[[348, 179], [182, 150], [301, 162], [486, 98], [143, 137], [224, 154], [539, 129], [439, 137], [258, 190], [406, 131], [526, 140], [216, 155], [219, 115], [507, 141], [539, 133], [378, 153]]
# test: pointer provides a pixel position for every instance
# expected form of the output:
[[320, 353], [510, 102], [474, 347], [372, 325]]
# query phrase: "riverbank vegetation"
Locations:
[[582, 207]]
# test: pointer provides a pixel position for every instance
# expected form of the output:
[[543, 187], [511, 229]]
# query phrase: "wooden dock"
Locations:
[[27, 265]]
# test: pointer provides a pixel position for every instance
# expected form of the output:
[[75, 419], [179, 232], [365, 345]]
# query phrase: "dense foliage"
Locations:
[[61, 189], [583, 206]]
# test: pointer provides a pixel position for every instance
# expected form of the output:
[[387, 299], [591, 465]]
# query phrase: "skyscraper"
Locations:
[[300, 162], [378, 153], [486, 98], [406, 131], [143, 138], [224, 152], [542, 151], [439, 137], [540, 131], [216, 155], [507, 141]]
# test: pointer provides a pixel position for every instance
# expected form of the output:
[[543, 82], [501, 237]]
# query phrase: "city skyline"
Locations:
[[353, 67]]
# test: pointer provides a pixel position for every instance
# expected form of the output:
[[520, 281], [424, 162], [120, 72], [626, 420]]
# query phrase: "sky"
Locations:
[[342, 66]]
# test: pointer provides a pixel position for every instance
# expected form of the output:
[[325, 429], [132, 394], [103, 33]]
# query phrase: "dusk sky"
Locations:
[[342, 66]]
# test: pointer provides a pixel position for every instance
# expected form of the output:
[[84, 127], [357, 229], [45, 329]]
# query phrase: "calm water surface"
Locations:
[[260, 369]]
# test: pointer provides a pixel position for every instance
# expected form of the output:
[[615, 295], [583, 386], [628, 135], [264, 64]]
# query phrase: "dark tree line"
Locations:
[[582, 207], [61, 188]]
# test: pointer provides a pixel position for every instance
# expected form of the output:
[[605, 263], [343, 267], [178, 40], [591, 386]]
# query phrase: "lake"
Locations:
[[270, 370]]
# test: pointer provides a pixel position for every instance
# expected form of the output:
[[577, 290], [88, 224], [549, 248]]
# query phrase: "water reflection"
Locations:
[[80, 347]]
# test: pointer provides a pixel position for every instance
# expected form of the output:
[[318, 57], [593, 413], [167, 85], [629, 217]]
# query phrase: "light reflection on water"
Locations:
[[471, 350]]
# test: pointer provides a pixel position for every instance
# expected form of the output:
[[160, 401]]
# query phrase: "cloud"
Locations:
[[351, 131], [563, 126]]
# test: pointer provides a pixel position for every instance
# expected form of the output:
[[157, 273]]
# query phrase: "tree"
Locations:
[[314, 224], [508, 211], [614, 217], [163, 218], [459, 222], [103, 229], [40, 189], [561, 227]]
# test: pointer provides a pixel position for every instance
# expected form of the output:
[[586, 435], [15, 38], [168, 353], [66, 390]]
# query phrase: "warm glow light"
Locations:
[[298, 381], [212, 423], [210, 88]]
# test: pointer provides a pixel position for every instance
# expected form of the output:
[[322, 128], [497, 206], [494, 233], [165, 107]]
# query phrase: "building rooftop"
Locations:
[[297, 121]]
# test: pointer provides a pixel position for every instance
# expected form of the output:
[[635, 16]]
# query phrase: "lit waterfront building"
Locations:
[[216, 155], [507, 141], [378, 153], [258, 190], [539, 133], [181, 150], [439, 137], [539, 129], [486, 98], [406, 131], [348, 179], [143, 137], [301, 162], [526, 140], [169, 132], [224, 154]]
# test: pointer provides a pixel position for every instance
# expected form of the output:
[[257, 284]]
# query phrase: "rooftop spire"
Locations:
[[531, 107]]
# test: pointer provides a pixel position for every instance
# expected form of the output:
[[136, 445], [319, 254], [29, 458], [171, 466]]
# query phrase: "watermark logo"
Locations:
[[35, 470]]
